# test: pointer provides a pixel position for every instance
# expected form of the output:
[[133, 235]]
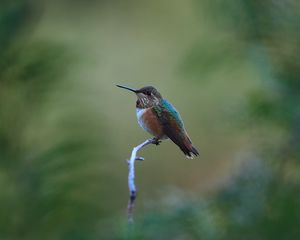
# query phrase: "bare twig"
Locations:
[[131, 184]]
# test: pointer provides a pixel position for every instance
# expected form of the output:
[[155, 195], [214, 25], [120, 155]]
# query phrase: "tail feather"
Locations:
[[188, 149]]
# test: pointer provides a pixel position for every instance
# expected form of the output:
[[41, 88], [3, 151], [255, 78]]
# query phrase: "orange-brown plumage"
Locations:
[[152, 123]]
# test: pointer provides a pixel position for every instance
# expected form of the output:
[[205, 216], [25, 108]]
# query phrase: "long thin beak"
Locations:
[[130, 89]]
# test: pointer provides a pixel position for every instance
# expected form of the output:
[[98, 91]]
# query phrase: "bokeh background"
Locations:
[[232, 69]]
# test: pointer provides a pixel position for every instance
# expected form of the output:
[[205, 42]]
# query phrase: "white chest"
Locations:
[[139, 115]]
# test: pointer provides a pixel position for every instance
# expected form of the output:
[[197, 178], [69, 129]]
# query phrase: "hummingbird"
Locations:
[[159, 117]]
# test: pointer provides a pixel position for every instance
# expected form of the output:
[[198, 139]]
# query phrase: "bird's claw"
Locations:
[[156, 141]]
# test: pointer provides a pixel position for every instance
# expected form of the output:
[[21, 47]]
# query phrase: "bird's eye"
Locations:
[[148, 93]]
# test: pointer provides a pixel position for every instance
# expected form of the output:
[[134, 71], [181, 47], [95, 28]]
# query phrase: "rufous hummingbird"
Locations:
[[158, 117]]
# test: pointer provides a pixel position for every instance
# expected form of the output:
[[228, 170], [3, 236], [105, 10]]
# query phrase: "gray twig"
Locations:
[[131, 184]]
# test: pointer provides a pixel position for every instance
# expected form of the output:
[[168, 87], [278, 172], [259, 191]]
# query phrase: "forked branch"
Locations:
[[131, 184]]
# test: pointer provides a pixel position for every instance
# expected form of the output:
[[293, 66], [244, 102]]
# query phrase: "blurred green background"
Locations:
[[232, 69]]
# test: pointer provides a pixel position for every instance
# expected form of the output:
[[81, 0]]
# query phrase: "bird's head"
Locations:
[[146, 96]]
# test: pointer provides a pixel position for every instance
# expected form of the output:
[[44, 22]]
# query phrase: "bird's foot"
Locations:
[[156, 141]]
